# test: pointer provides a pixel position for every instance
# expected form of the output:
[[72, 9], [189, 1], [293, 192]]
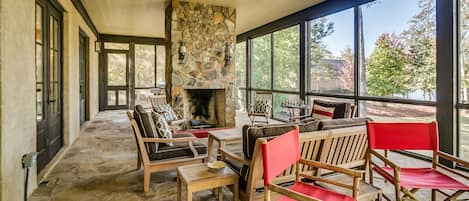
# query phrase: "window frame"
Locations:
[[131, 41], [445, 37]]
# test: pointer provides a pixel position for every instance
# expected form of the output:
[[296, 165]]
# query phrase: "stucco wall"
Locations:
[[72, 23], [17, 88], [17, 95]]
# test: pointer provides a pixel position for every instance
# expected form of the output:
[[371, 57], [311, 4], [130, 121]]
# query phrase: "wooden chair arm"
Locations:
[[166, 140], [189, 140], [300, 117], [384, 159], [291, 194], [238, 158], [334, 168], [457, 160], [194, 151]]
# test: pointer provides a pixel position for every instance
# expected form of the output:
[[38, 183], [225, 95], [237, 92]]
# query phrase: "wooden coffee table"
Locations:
[[223, 137], [197, 178]]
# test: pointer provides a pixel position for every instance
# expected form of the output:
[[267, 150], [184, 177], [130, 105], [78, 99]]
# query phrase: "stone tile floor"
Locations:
[[101, 166]]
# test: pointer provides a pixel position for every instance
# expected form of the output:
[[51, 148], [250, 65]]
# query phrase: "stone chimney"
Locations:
[[207, 33]]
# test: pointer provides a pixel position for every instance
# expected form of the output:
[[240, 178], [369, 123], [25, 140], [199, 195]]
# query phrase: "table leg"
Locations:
[[236, 190], [189, 193], [221, 144], [179, 188], [210, 148], [220, 193]]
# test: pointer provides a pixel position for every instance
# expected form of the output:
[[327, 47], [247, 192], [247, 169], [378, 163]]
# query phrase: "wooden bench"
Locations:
[[345, 147]]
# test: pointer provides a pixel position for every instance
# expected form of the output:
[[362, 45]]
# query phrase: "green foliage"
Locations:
[[346, 72], [320, 72], [412, 63], [464, 50], [240, 65], [261, 62], [287, 59], [385, 70], [145, 65], [421, 56], [320, 28]]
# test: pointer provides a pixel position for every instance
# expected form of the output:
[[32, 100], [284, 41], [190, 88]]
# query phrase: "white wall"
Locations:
[[18, 90]]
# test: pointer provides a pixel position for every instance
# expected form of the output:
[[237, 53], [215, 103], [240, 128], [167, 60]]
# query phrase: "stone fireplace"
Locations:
[[205, 107], [204, 82]]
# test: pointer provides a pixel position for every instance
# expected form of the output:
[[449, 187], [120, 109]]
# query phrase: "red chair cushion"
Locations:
[[426, 178], [316, 192]]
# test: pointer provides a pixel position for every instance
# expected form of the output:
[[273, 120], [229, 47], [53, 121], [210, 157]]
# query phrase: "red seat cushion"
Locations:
[[426, 178], [316, 192]]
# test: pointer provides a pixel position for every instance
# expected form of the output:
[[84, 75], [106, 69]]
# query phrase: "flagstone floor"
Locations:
[[101, 166]]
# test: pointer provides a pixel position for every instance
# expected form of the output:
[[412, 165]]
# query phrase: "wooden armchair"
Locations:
[[408, 180], [281, 153], [184, 151]]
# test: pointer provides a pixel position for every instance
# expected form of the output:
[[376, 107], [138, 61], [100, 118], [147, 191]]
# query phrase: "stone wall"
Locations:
[[206, 31]]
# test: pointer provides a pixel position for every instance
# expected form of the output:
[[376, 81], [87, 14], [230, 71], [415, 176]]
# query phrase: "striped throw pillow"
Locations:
[[320, 112]]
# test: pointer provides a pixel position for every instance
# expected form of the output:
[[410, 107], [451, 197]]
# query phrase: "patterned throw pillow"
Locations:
[[162, 127], [167, 111], [320, 112]]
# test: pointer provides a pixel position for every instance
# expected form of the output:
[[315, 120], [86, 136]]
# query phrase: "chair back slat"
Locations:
[[345, 148], [279, 154], [403, 136], [157, 100]]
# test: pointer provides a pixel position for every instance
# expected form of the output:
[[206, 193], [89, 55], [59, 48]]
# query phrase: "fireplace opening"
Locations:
[[205, 108], [200, 104]]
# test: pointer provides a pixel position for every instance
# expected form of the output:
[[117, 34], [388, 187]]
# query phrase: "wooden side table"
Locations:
[[223, 137], [197, 178]]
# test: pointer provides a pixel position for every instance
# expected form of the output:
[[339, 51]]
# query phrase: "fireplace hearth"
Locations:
[[205, 108]]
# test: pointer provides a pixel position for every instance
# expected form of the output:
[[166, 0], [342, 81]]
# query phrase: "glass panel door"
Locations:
[[116, 87], [48, 82]]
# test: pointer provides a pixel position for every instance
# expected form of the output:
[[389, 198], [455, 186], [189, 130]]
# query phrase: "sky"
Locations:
[[387, 16]]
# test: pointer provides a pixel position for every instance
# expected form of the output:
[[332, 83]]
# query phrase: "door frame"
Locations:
[[50, 8], [104, 81], [82, 34]]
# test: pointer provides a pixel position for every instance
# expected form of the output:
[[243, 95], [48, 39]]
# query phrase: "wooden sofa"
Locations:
[[343, 147]]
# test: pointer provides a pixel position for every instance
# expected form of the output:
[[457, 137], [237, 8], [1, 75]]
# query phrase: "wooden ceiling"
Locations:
[[146, 17]]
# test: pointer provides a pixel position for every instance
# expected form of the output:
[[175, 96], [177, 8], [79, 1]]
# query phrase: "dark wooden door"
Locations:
[[83, 77], [116, 79], [49, 89]]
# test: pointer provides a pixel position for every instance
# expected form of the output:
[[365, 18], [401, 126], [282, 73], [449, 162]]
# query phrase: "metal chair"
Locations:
[[261, 107]]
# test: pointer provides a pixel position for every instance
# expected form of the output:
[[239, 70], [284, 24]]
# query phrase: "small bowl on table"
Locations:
[[216, 166]]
